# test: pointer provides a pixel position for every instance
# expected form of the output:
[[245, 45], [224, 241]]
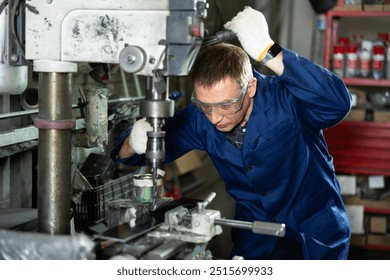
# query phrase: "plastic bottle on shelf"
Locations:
[[387, 64], [343, 40], [365, 58], [384, 37], [358, 39], [378, 61], [338, 60], [352, 60]]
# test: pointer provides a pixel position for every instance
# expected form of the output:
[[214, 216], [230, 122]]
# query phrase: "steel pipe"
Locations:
[[54, 152]]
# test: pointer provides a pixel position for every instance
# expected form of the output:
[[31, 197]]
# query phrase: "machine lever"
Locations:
[[219, 37], [202, 205], [209, 198], [266, 228]]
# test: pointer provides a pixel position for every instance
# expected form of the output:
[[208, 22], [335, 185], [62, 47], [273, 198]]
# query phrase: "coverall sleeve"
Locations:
[[136, 160], [323, 98]]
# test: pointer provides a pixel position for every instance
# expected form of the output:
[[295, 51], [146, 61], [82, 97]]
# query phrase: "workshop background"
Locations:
[[314, 29]]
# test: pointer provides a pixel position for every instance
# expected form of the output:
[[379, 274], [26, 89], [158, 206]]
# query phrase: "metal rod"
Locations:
[[124, 83], [256, 227], [54, 154], [74, 106], [18, 114]]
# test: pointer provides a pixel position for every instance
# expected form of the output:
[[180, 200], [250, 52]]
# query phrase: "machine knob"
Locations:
[[132, 59]]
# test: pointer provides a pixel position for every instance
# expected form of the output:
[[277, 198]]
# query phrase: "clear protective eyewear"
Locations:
[[222, 108]]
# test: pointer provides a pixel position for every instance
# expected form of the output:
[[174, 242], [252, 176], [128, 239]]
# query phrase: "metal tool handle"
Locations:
[[219, 37], [202, 205], [266, 228], [209, 198]]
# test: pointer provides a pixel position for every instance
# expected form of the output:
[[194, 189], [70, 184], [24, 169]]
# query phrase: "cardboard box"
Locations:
[[358, 240], [373, 7], [378, 240], [183, 165], [188, 162], [356, 218], [356, 200], [381, 116], [359, 97], [356, 115], [347, 184], [378, 224], [341, 6], [376, 182]]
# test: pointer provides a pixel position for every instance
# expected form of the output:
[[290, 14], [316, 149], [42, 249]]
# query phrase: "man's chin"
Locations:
[[224, 128]]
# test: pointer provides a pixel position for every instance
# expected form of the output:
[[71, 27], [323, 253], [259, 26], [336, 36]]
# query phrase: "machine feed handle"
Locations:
[[209, 198], [202, 205], [266, 228], [269, 228]]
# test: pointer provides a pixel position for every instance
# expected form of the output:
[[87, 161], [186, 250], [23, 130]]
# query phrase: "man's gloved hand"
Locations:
[[251, 28], [138, 136]]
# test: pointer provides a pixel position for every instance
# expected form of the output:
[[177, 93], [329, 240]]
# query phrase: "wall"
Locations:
[[298, 22]]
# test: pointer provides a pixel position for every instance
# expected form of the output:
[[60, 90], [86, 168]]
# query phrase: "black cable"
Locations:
[[2, 5], [13, 29]]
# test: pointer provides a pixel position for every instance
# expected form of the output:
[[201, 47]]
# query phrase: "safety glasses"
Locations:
[[221, 108]]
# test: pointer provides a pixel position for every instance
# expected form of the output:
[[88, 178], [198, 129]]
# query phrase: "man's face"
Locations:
[[225, 103]]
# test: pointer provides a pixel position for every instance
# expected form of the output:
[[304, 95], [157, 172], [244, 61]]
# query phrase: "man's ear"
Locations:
[[253, 87]]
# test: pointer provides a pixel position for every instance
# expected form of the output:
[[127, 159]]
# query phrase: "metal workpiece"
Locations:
[[54, 153], [97, 119], [95, 133]]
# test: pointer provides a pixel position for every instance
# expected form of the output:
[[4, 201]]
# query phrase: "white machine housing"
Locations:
[[97, 31]]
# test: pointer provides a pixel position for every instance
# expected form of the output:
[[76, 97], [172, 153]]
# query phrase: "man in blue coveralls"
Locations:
[[264, 135]]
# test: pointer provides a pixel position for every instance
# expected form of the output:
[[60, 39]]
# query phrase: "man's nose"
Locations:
[[215, 117]]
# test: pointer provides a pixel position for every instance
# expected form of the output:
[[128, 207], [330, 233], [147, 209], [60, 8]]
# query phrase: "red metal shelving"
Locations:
[[360, 148], [367, 82]]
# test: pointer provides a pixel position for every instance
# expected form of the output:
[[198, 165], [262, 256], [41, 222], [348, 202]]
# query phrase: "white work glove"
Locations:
[[251, 28], [138, 135]]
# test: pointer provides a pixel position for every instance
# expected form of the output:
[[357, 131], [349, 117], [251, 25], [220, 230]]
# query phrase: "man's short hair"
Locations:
[[217, 62]]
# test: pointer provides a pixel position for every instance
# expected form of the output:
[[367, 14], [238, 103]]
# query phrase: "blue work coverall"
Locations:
[[283, 173]]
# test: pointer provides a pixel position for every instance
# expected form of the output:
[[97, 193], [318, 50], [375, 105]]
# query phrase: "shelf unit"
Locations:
[[359, 147], [332, 35]]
